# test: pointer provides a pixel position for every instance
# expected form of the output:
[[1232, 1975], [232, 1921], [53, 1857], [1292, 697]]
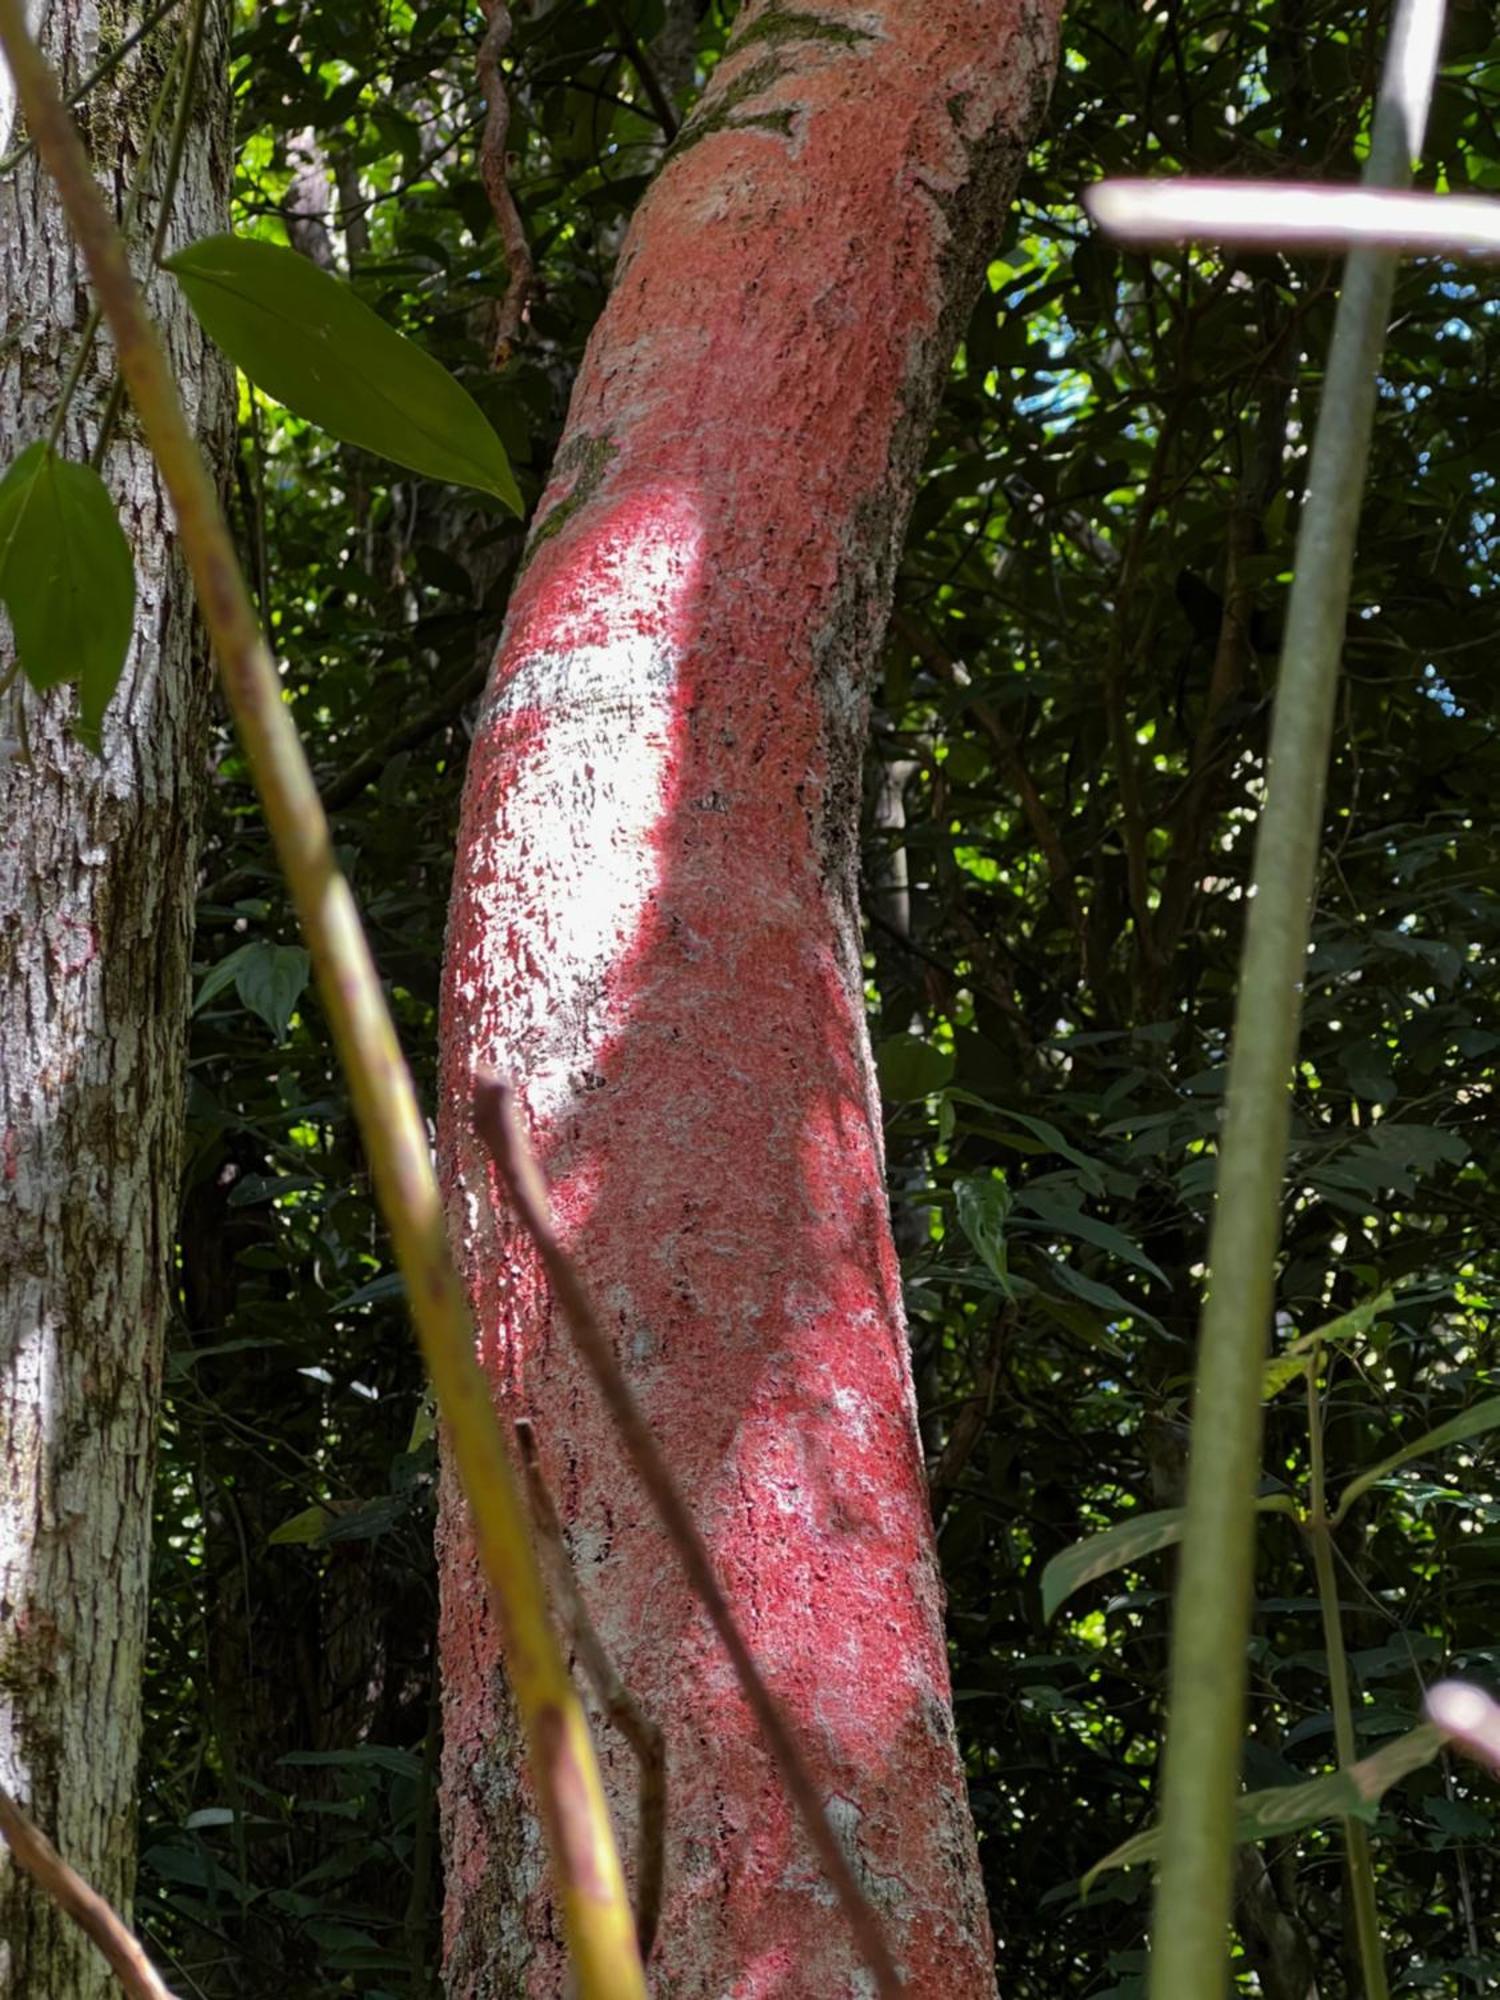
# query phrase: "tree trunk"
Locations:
[[96, 888], [655, 927]]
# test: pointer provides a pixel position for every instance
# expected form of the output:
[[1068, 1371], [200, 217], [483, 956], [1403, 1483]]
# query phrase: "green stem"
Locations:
[[1211, 1613], [1356, 1838]]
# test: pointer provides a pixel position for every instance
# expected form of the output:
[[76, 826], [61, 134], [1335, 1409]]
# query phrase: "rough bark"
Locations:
[[655, 927], [96, 882]]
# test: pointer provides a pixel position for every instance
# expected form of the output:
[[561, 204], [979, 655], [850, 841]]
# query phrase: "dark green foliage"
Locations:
[[1077, 684]]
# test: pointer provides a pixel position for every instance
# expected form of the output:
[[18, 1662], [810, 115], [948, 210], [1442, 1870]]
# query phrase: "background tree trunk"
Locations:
[[96, 888], [655, 926]]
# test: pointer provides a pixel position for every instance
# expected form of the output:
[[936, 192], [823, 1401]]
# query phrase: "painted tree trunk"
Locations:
[[96, 890], [655, 928]]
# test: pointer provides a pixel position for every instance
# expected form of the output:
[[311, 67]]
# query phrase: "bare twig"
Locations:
[[935, 655], [88, 1909], [497, 1121], [645, 69], [521, 272], [638, 1728], [1285, 216], [969, 1422]]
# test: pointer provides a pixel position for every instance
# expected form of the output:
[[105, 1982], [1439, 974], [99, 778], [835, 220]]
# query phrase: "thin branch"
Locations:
[[638, 1728], [1287, 215], [969, 1421], [521, 272], [73, 1896], [936, 656], [644, 68], [497, 1121]]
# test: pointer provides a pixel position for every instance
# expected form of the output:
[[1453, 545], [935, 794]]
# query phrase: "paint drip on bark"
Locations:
[[655, 930]]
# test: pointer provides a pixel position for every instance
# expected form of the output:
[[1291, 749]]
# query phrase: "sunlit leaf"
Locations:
[[1292, 1361], [307, 339], [311, 1525], [1482, 1417], [1126, 1542], [66, 579], [1351, 1794]]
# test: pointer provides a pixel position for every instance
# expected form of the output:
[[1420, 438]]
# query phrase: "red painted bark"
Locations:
[[655, 928]]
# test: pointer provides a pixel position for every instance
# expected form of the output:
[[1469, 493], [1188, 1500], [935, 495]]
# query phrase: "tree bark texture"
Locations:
[[96, 889], [655, 929]]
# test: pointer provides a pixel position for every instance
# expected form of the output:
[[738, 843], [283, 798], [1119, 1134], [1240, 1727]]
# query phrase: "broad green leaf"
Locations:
[[910, 1068], [307, 339], [219, 975], [1279, 1370], [270, 979], [1292, 1360], [983, 1206], [367, 1756], [1351, 1794], [1105, 1297], [66, 579], [1071, 1221], [1126, 1542], [311, 1525], [1482, 1417]]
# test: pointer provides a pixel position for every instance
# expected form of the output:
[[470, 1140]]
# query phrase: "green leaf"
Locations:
[[1482, 1417], [1126, 1542], [270, 979], [1070, 1220], [311, 1525], [1292, 1361], [307, 339], [1105, 1297], [910, 1068], [983, 1207], [1354, 1793], [219, 975], [66, 579]]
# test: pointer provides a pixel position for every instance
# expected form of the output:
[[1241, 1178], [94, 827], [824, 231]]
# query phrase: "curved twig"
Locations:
[[497, 1121]]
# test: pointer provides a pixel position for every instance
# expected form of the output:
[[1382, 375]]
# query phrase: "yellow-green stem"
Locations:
[[1356, 1839], [1211, 1609], [591, 1896]]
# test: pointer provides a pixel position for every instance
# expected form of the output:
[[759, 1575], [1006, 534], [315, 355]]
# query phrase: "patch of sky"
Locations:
[[1437, 689]]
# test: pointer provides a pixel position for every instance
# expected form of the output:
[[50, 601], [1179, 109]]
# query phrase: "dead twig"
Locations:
[[88, 1909], [497, 1121], [641, 1732], [521, 272], [645, 69]]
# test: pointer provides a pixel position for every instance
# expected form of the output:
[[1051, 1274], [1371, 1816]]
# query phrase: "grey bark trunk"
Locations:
[[96, 888]]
